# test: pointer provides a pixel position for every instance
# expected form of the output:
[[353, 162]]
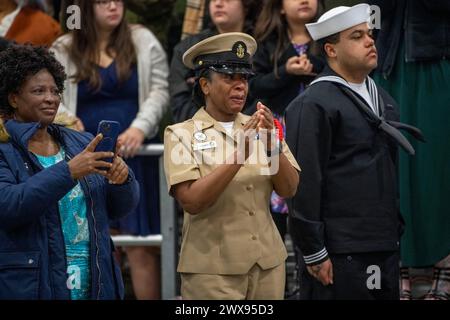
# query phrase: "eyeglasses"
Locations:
[[107, 3]]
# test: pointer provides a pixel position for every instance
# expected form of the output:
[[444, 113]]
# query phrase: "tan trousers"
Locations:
[[257, 284]]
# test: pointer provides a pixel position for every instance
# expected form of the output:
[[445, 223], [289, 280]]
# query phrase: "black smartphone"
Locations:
[[110, 131]]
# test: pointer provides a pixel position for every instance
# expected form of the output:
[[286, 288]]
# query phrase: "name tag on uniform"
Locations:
[[204, 145]]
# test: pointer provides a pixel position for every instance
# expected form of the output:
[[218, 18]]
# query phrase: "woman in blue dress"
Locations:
[[119, 72]]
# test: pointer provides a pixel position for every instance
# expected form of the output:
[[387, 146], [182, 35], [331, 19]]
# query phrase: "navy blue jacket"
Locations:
[[348, 198], [32, 251]]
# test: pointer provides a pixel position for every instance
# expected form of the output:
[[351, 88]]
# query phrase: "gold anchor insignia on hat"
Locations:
[[240, 51], [240, 48]]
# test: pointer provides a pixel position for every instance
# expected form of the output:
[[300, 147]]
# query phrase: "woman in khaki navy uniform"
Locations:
[[231, 248]]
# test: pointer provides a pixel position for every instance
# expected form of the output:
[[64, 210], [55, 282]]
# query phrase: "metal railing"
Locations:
[[167, 240]]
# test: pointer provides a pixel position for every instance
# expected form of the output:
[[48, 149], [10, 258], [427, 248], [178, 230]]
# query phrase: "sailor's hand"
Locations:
[[323, 272]]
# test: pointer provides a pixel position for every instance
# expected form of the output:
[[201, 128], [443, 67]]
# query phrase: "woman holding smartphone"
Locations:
[[57, 193], [119, 72]]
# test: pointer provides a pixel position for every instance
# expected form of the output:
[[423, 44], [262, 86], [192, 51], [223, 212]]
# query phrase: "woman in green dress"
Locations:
[[414, 67]]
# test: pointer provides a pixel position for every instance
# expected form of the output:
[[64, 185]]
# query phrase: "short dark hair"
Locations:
[[197, 94], [333, 39], [17, 63]]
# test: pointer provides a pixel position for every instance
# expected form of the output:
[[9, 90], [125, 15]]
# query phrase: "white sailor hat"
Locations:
[[225, 53], [339, 19]]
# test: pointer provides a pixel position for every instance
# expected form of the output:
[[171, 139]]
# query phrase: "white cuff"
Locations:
[[312, 258]]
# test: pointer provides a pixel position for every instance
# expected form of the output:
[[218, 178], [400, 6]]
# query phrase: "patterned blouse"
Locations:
[[75, 229]]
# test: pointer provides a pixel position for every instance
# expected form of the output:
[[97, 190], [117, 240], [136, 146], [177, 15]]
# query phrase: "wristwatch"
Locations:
[[276, 151]]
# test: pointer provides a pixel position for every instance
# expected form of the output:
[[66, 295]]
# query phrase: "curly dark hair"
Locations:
[[17, 63]]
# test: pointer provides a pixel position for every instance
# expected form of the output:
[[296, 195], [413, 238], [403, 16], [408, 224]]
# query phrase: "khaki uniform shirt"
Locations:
[[237, 231]]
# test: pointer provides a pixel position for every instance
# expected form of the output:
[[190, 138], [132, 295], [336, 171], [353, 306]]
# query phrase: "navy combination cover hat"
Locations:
[[224, 53]]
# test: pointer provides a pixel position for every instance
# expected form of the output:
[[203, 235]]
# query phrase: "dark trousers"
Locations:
[[355, 278]]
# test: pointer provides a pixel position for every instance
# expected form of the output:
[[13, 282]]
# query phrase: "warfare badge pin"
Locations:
[[200, 136]]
